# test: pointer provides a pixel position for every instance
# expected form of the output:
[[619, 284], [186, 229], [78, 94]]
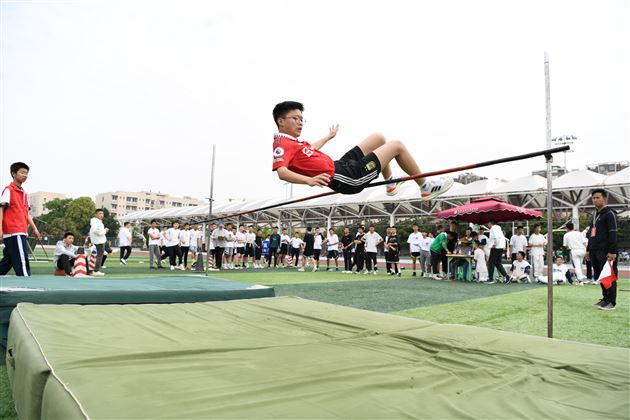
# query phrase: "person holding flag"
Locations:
[[602, 249]]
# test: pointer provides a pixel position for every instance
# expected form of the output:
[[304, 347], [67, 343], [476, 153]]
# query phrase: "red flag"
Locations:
[[607, 276]]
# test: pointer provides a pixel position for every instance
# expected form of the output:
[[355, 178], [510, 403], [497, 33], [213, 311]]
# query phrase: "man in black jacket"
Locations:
[[602, 245]]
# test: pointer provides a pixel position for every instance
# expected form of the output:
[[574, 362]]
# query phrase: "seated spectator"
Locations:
[[520, 270], [481, 269], [65, 253], [561, 273]]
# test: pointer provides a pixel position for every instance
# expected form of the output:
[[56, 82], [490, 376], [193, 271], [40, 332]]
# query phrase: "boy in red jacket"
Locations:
[[14, 221]]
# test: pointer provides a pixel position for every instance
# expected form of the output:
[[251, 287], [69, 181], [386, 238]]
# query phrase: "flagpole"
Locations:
[[549, 159]]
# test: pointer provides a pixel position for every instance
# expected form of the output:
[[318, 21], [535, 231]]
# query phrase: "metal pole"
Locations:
[[210, 199], [549, 159]]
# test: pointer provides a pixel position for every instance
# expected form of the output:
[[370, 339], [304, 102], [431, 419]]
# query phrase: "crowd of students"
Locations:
[[245, 247], [238, 248]]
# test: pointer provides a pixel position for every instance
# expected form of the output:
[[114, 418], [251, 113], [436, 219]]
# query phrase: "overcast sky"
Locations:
[[130, 95]]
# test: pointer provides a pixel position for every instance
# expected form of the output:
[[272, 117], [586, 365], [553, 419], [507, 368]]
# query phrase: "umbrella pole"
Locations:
[[549, 158]]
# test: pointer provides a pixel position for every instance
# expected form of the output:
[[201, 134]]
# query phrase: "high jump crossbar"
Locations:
[[547, 153]]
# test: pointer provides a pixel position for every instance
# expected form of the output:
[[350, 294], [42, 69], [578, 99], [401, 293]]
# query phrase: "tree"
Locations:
[[55, 222], [79, 212], [110, 223]]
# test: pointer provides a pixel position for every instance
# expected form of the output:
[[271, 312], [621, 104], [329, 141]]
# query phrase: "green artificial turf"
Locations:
[[526, 312]]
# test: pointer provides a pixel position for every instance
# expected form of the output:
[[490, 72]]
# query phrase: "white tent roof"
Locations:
[[621, 177], [526, 183], [378, 199], [481, 187], [575, 179]]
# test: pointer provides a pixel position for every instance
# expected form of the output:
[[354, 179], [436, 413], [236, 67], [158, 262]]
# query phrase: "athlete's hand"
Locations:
[[320, 180], [37, 235], [333, 131]]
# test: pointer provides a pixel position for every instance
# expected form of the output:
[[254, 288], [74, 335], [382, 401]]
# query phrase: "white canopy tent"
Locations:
[[571, 194]]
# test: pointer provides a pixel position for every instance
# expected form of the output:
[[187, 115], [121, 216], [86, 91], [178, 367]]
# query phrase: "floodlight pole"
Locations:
[[549, 159], [210, 200]]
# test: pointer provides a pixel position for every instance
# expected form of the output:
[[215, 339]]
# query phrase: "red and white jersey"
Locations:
[[300, 157], [15, 218]]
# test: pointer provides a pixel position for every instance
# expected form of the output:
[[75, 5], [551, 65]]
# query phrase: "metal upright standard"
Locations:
[[210, 200], [549, 158]]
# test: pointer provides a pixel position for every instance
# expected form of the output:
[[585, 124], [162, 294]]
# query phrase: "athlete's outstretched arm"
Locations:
[[331, 134], [288, 175]]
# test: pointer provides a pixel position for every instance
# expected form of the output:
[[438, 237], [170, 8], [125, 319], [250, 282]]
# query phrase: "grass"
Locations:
[[518, 308]]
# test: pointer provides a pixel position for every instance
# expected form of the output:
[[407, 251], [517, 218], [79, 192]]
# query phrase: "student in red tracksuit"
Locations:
[[14, 221], [299, 162]]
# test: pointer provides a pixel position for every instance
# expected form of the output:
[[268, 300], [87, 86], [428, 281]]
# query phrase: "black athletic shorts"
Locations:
[[308, 252], [284, 249], [354, 171], [316, 254], [333, 254], [249, 250], [415, 254], [240, 250]]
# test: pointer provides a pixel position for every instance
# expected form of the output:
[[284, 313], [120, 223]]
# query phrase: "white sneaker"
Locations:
[[123, 262], [301, 269], [315, 269], [98, 273], [172, 267], [102, 266], [434, 187], [392, 189]]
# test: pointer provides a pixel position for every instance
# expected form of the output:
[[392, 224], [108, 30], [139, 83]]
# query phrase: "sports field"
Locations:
[[516, 307]]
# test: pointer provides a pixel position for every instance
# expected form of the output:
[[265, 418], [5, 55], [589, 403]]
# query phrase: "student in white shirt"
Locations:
[[172, 243], [240, 238], [483, 243], [296, 246], [425, 252], [332, 249], [98, 238], [372, 240], [574, 241], [284, 247], [537, 244], [561, 273], [184, 246], [518, 242], [218, 239], [414, 240], [154, 246], [124, 243], [163, 250], [317, 248], [520, 269], [250, 247], [229, 246], [195, 242], [497, 243], [481, 270]]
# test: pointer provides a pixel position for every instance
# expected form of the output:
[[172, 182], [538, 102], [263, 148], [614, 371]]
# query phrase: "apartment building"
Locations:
[[120, 203], [37, 200]]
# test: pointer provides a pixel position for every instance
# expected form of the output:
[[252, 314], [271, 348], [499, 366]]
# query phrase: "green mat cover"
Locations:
[[294, 358], [175, 289]]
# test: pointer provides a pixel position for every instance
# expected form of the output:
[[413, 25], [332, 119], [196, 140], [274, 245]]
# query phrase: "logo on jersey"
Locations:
[[370, 166], [307, 151], [278, 151]]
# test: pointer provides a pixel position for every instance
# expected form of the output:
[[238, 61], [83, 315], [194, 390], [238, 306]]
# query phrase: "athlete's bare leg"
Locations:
[[387, 151], [396, 149]]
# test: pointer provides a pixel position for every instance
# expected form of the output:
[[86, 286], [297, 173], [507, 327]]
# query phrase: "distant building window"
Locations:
[[161, 202], [114, 197], [114, 206]]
